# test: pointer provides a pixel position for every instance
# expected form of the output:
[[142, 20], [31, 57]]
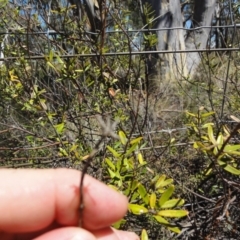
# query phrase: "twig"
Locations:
[[107, 130]]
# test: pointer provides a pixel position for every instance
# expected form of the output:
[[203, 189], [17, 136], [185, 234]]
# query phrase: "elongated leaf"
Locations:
[[233, 152], [160, 181], [137, 209], [152, 200], [230, 148], [59, 127], [79, 70], [161, 219], [111, 173], [110, 163], [198, 145], [134, 185], [167, 224], [154, 180], [140, 159], [173, 213], [3, 3], [210, 135], [174, 229], [59, 60], [207, 114], [118, 224], [206, 125], [229, 168], [63, 152], [51, 54], [51, 65], [166, 195], [144, 235], [173, 203], [133, 148], [136, 140], [114, 153], [191, 114], [122, 137], [143, 193], [220, 140], [166, 182]]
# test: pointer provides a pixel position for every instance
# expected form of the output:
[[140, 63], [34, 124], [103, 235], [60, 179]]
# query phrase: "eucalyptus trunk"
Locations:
[[169, 14]]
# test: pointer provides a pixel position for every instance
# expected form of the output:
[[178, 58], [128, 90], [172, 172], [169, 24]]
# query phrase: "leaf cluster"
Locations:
[[128, 173]]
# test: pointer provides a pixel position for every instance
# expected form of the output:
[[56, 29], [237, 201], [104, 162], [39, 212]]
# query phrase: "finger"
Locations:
[[31, 200], [114, 234], [66, 233], [72, 233], [69, 233]]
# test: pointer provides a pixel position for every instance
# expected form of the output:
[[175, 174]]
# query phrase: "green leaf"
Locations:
[[137, 209], [109, 163], [59, 127], [79, 70], [232, 152], [127, 163], [3, 3], [207, 114], [143, 193], [133, 148], [136, 140], [114, 153], [220, 140], [173, 203], [210, 135], [230, 148], [59, 59], [111, 173], [160, 181], [164, 183], [154, 180], [229, 168], [51, 54], [165, 222], [173, 213], [191, 114], [140, 159], [118, 224], [174, 229], [152, 200], [63, 152], [122, 137], [166, 195], [161, 219], [144, 235], [134, 185], [51, 65]]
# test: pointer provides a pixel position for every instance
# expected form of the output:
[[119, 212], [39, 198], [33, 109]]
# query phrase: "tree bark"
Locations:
[[203, 14], [168, 14]]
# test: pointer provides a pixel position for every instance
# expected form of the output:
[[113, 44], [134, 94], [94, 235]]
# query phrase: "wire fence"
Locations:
[[13, 31], [134, 52], [153, 135]]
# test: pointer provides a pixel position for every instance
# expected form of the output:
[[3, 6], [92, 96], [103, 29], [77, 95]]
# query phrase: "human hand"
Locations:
[[44, 205]]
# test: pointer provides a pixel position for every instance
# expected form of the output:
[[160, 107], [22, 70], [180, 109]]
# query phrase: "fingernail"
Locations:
[[80, 237], [83, 235], [122, 235]]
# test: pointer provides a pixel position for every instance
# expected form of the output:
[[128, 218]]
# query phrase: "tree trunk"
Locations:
[[168, 14]]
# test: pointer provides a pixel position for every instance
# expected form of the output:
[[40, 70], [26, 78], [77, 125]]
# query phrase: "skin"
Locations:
[[44, 205]]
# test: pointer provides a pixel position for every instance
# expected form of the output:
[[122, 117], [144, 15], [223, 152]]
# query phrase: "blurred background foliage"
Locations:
[[178, 145]]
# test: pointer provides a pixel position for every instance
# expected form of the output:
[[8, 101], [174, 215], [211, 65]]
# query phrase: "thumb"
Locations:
[[75, 233], [67, 233]]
